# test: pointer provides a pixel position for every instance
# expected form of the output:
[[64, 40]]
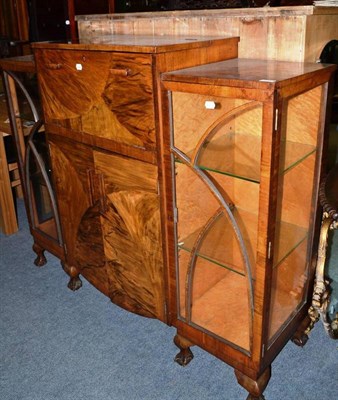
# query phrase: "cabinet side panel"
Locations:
[[300, 148]]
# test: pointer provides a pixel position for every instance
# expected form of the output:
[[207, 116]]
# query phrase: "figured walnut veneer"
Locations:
[[96, 100], [102, 113]]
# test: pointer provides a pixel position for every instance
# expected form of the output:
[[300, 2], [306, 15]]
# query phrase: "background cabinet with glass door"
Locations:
[[245, 154]]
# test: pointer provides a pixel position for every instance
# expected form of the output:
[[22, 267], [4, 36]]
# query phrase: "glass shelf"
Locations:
[[221, 246], [295, 153], [288, 238], [233, 154], [238, 155]]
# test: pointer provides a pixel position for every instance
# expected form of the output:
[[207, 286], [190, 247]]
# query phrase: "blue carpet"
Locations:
[[56, 344]]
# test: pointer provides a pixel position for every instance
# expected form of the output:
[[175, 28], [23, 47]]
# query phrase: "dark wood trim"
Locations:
[[72, 23]]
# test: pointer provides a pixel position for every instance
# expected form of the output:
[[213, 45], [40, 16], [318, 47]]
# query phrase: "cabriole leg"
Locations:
[[185, 355], [74, 282], [254, 387], [40, 260]]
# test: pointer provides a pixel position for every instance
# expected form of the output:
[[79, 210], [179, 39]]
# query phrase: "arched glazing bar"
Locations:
[[218, 124], [30, 148], [228, 208], [24, 157]]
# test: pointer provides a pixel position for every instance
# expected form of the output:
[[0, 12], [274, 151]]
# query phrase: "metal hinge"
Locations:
[[276, 119], [175, 215], [269, 251]]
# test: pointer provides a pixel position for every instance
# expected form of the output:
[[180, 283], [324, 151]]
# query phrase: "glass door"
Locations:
[[216, 150]]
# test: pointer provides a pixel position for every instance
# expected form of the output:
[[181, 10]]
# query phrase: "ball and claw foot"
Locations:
[[74, 283], [40, 260], [300, 340], [184, 357]]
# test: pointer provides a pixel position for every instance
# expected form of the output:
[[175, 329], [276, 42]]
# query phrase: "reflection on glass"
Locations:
[[39, 181], [288, 289], [39, 188]]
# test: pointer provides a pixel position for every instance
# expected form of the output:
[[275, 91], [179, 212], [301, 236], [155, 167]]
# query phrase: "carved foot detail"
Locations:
[[300, 339], [250, 397], [74, 282], [185, 355], [40, 260]]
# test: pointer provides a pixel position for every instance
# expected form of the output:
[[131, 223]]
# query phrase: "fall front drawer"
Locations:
[[103, 94]]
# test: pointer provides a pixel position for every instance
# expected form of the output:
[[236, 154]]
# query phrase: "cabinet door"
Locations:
[[216, 159], [79, 214], [132, 233], [102, 94], [109, 210]]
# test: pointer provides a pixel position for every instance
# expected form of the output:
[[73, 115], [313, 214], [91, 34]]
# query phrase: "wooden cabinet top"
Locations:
[[141, 43], [19, 64], [231, 12], [259, 74]]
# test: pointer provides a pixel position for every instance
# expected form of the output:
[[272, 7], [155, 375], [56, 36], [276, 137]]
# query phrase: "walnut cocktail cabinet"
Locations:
[[243, 145], [102, 113]]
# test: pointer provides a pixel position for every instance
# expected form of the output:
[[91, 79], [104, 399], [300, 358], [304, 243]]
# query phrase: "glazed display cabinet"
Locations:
[[243, 146], [24, 111]]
